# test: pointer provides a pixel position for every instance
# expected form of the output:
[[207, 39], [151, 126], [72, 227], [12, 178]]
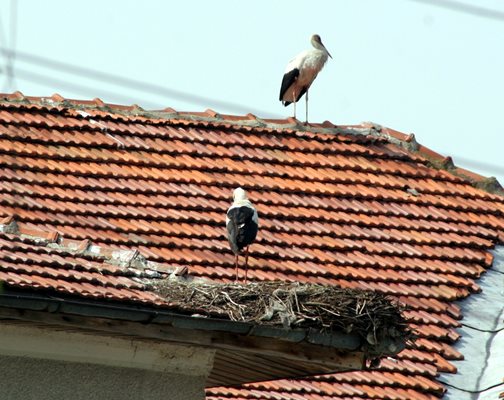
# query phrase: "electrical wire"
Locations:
[[140, 86], [9, 57], [484, 330], [11, 80], [465, 8], [47, 80], [3, 42], [471, 391], [499, 169]]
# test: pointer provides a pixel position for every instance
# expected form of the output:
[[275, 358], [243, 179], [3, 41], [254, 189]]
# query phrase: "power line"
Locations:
[[12, 45], [3, 42], [466, 8], [484, 330], [141, 86], [498, 169], [46, 80], [472, 391]]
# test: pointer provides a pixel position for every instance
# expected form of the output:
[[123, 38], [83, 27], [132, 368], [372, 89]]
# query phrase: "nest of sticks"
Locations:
[[371, 315]]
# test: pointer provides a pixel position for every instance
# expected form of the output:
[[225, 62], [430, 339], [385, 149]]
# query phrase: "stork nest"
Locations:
[[327, 309]]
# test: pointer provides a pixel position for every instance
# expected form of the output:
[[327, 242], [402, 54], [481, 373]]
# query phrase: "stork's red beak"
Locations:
[[329, 54]]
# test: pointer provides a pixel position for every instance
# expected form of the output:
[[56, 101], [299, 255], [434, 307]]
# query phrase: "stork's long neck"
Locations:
[[242, 202]]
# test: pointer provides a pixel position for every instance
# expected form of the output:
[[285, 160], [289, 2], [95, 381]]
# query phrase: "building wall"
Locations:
[[481, 372], [29, 378], [46, 363]]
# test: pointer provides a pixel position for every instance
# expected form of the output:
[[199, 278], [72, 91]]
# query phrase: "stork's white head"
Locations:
[[239, 194], [316, 42]]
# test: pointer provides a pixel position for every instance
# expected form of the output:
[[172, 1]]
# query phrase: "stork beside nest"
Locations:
[[242, 226]]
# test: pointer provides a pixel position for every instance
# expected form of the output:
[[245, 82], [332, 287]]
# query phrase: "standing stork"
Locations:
[[300, 73], [242, 226]]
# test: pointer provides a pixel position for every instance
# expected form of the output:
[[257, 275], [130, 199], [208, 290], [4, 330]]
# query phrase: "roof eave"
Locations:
[[253, 345]]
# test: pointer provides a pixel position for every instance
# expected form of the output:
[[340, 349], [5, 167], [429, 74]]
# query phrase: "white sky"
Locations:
[[405, 64]]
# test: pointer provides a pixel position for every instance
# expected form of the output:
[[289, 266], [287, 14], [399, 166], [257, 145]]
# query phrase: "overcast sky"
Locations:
[[410, 65]]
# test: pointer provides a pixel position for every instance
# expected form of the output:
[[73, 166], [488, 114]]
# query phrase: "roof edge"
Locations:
[[324, 353]]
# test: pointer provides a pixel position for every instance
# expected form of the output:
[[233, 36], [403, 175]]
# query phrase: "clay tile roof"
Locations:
[[32, 257], [355, 206]]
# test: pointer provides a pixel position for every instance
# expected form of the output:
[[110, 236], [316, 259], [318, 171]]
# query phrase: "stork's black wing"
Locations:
[[288, 79], [241, 227]]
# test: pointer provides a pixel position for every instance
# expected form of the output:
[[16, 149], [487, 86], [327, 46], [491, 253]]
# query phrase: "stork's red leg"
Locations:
[[306, 121], [294, 100], [236, 267], [246, 262]]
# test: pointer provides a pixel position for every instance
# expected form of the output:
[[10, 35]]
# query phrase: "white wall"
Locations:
[[481, 372], [41, 363], [29, 378]]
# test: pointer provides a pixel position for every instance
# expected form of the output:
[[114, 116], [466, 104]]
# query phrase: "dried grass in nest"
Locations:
[[293, 305]]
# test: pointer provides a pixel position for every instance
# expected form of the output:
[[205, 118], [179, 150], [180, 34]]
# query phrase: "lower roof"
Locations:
[[76, 285]]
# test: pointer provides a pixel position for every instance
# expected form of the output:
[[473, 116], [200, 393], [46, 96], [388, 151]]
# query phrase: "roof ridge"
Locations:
[[250, 121], [211, 117]]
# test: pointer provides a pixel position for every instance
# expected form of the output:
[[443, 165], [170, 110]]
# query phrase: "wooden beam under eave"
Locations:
[[229, 368], [298, 359], [306, 352]]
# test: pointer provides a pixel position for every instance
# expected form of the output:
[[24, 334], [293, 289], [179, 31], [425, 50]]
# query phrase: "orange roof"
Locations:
[[34, 259], [355, 206]]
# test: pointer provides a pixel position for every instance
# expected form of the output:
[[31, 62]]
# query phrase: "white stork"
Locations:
[[242, 226], [300, 73]]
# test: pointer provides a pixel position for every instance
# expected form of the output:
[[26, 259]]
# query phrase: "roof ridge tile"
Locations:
[[210, 117]]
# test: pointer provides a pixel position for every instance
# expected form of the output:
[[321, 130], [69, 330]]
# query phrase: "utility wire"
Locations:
[[12, 45], [480, 164], [497, 169], [47, 80], [3, 42], [9, 57], [478, 12], [484, 330], [465, 8], [471, 391], [141, 86]]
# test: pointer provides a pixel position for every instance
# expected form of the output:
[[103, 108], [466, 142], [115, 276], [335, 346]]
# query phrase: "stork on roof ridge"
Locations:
[[300, 73]]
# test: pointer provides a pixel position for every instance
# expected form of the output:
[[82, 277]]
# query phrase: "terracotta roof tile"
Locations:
[[30, 260], [352, 206]]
